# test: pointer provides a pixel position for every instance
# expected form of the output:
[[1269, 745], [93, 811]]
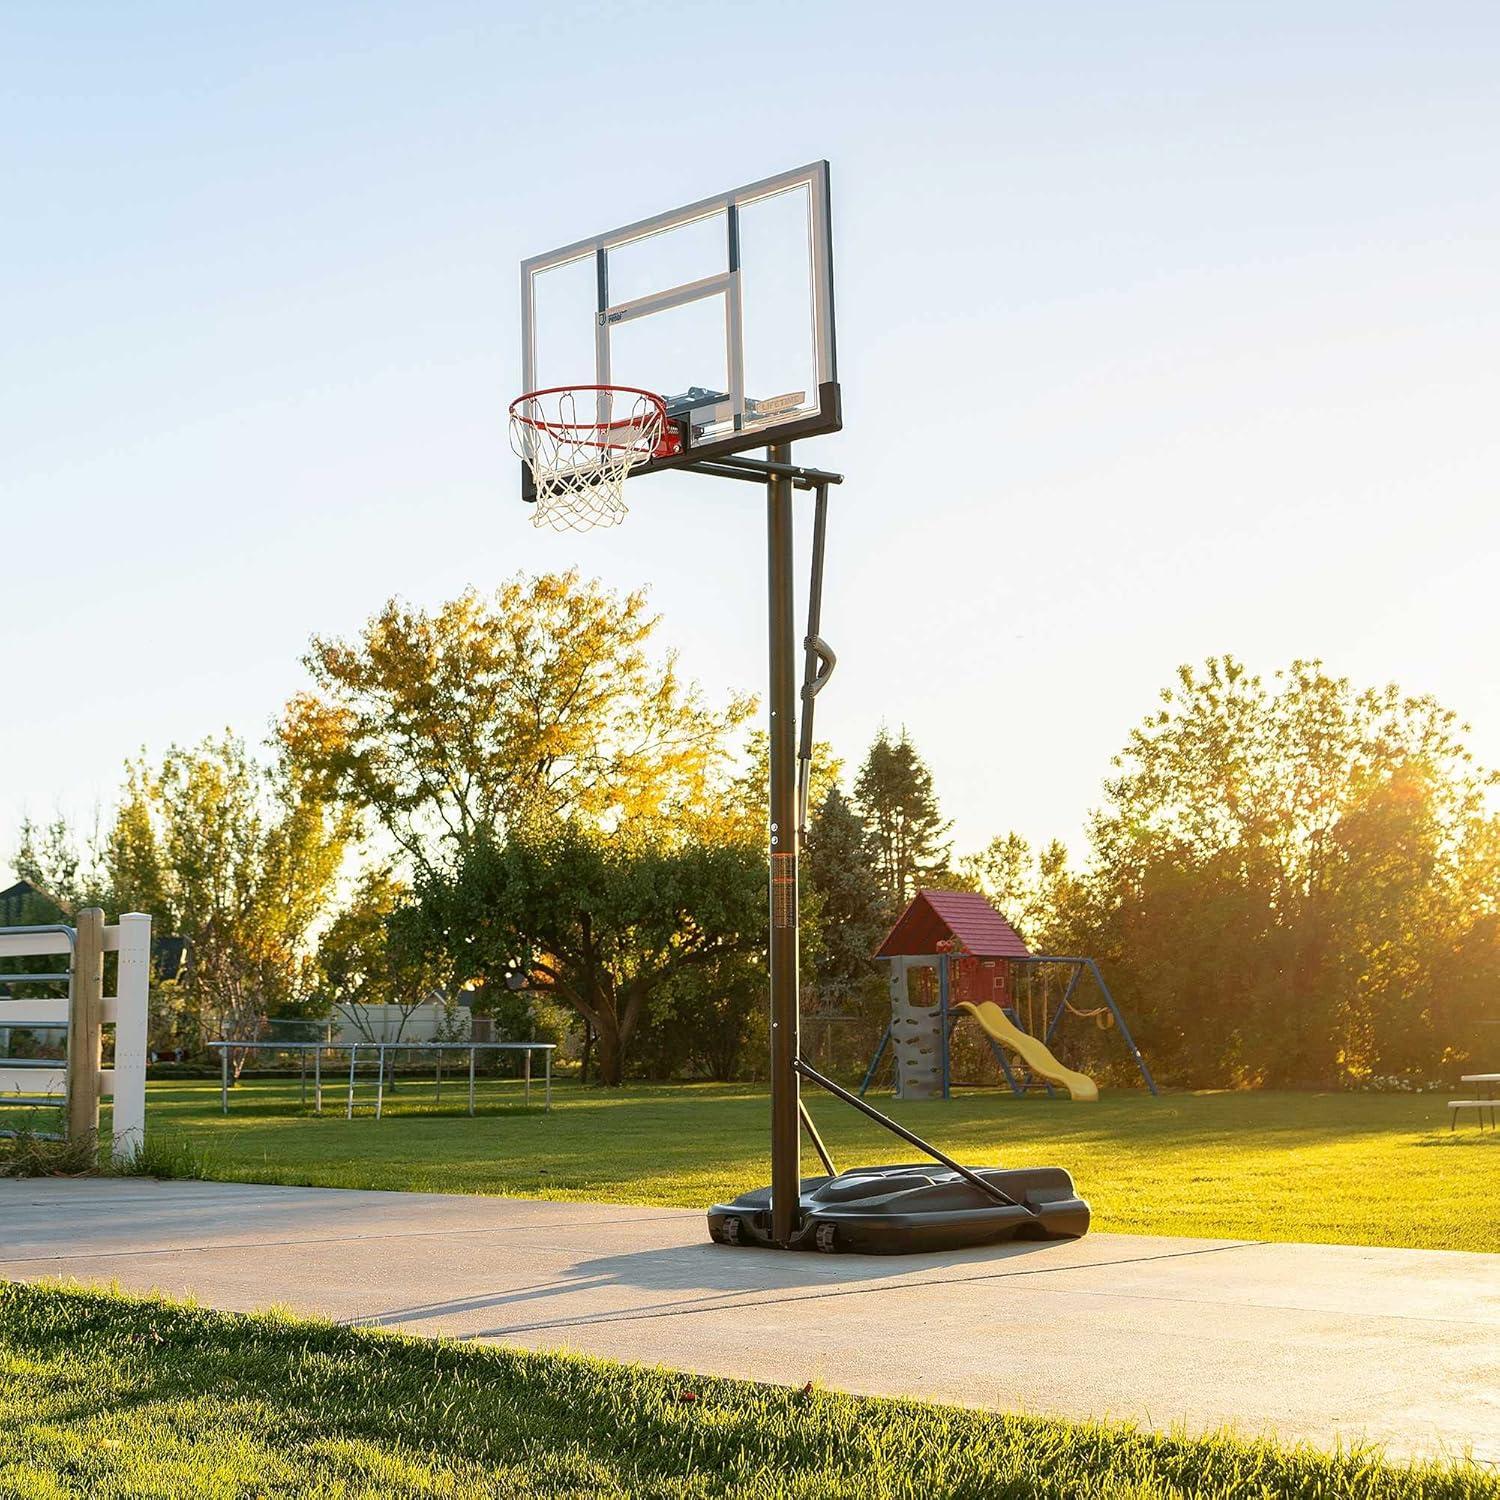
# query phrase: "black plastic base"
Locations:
[[906, 1209]]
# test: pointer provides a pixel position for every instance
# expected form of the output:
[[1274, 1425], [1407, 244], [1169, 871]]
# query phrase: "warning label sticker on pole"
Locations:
[[783, 890]]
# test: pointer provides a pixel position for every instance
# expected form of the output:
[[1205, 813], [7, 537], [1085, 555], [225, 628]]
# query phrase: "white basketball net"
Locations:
[[581, 442]]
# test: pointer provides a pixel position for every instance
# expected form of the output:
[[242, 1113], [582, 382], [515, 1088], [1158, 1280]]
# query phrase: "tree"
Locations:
[[845, 899], [702, 1021], [844, 920], [370, 954], [133, 857], [602, 923], [1281, 876], [747, 805], [246, 857], [1036, 891], [502, 715], [1004, 872], [64, 867], [904, 828]]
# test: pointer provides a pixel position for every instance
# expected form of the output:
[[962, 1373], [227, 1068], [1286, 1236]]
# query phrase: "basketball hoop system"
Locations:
[[581, 442], [617, 302]]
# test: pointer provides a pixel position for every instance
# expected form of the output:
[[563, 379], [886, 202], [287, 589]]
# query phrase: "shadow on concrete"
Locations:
[[680, 1281]]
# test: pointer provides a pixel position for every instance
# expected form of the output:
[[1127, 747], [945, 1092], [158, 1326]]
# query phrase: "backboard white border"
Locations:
[[814, 176]]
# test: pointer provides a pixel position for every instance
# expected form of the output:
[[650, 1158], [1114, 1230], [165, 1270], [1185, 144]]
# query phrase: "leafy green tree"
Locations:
[[601, 923], [1467, 1006], [749, 796], [370, 954], [1004, 872], [62, 866], [1037, 891], [246, 857], [133, 855], [904, 828], [705, 1020], [1282, 877], [503, 714]]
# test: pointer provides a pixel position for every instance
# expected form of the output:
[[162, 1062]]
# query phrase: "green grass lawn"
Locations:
[[105, 1396], [1347, 1168]]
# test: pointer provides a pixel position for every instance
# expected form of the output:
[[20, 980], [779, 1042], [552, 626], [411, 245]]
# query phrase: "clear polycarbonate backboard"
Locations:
[[723, 307]]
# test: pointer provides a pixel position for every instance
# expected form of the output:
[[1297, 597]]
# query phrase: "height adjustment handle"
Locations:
[[826, 662], [819, 659]]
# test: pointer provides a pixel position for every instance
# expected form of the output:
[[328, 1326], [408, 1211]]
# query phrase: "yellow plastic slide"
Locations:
[[1032, 1051]]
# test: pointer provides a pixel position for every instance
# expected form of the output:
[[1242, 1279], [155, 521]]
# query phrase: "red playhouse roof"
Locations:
[[941, 917]]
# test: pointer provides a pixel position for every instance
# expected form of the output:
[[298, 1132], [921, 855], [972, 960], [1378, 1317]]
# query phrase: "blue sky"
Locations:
[[1164, 330]]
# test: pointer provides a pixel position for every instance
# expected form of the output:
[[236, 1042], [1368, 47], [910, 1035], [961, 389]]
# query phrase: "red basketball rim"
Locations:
[[668, 443]]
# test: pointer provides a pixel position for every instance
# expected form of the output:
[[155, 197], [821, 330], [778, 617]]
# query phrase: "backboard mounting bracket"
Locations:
[[699, 459], [758, 470]]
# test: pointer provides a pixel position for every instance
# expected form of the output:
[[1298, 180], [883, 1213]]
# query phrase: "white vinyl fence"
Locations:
[[81, 1082]]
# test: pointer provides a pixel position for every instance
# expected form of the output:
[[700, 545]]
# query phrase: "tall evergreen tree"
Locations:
[[904, 828], [848, 904]]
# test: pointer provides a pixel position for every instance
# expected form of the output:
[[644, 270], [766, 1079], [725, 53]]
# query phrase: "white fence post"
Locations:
[[78, 1084], [131, 1015]]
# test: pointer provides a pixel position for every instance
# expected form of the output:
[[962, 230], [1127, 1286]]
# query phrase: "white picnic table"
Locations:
[[1486, 1100]]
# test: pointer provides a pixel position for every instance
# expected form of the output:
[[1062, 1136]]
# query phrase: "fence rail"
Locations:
[[82, 1081]]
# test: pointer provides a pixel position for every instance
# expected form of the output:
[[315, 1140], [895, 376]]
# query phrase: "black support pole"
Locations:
[[785, 1096]]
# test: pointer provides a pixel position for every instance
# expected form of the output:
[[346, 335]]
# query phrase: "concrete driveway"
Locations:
[[1325, 1342]]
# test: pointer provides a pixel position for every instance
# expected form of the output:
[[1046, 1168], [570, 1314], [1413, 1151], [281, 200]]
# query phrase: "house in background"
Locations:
[[25, 904]]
